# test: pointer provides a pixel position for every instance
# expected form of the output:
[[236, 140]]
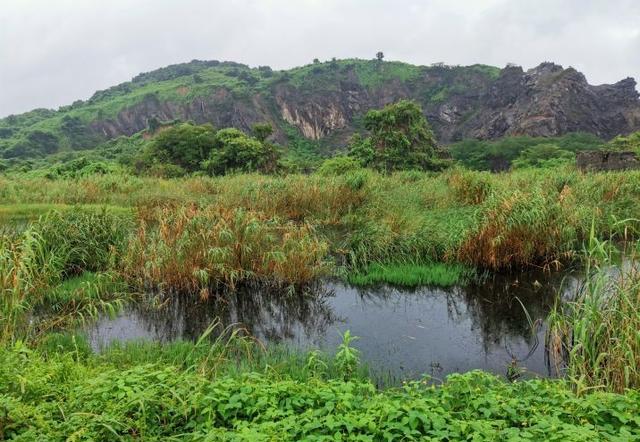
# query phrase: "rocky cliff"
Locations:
[[325, 102]]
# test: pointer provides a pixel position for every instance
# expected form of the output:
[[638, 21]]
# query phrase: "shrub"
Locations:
[[338, 165], [185, 145]]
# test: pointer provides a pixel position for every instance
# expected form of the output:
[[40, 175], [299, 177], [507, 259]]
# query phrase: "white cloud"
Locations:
[[53, 52]]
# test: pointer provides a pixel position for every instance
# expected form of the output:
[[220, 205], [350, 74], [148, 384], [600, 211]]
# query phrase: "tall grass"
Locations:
[[194, 249], [26, 270], [519, 228], [34, 263], [521, 218], [595, 338]]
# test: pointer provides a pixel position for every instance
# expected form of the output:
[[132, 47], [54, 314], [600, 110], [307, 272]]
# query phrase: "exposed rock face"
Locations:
[[606, 160], [549, 100], [314, 119], [220, 108], [545, 101]]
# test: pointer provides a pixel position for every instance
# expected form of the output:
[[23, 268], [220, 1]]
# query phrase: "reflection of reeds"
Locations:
[[595, 338], [193, 249]]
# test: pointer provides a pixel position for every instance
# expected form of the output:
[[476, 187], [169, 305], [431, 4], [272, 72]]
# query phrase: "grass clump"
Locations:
[[595, 337], [194, 249], [411, 275], [38, 267]]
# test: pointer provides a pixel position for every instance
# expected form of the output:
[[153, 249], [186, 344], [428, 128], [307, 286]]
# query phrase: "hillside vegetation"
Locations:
[[314, 109]]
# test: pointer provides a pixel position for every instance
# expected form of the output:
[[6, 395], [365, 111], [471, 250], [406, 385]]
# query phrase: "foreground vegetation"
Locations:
[[199, 392]]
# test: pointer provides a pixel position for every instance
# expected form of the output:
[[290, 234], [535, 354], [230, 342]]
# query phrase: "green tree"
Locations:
[[262, 131], [185, 145], [380, 56], [400, 138], [237, 152], [542, 155]]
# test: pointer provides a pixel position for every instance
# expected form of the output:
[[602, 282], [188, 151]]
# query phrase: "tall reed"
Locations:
[[54, 248], [26, 270], [191, 248], [595, 338]]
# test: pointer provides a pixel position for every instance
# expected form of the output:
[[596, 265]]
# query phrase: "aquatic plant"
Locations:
[[594, 338], [58, 246], [194, 249], [411, 275], [84, 240], [26, 270], [518, 228]]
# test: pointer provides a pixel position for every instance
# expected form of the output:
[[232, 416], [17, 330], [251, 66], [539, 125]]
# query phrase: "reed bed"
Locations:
[[493, 221], [36, 264], [202, 234], [595, 338], [192, 249]]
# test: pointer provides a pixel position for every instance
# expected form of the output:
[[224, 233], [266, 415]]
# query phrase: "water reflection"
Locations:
[[403, 333]]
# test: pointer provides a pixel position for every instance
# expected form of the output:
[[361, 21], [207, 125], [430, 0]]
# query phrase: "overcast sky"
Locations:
[[53, 52]]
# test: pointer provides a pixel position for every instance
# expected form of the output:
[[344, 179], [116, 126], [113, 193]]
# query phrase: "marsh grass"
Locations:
[[219, 351], [595, 338], [194, 249], [38, 267], [412, 275], [495, 221]]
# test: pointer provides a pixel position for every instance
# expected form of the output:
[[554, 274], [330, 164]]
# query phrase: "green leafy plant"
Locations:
[[347, 358]]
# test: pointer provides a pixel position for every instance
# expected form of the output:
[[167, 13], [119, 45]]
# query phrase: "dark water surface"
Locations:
[[402, 333]]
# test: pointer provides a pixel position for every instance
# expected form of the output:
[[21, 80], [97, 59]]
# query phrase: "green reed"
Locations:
[[595, 338]]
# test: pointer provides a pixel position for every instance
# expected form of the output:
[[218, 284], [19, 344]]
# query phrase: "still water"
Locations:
[[402, 333]]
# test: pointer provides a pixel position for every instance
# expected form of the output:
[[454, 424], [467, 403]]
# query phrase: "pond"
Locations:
[[402, 333]]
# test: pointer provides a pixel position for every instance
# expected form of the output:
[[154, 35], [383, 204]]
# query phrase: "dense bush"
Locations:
[[629, 142], [234, 151], [184, 145], [186, 148], [523, 151], [542, 155], [338, 165]]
